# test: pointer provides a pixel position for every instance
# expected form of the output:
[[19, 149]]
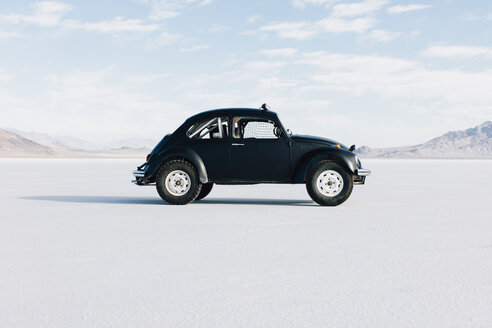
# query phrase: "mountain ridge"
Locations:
[[470, 143], [13, 144]]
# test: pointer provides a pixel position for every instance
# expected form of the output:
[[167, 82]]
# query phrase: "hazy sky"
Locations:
[[371, 72]]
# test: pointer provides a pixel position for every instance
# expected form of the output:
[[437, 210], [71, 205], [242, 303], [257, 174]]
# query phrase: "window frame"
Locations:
[[205, 123], [275, 123]]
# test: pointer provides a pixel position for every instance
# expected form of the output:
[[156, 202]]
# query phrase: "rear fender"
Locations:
[[189, 155]]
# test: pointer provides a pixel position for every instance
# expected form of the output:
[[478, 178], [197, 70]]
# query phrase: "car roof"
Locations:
[[233, 111]]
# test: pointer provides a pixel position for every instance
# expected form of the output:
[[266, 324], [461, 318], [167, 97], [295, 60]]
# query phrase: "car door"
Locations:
[[210, 140], [259, 151]]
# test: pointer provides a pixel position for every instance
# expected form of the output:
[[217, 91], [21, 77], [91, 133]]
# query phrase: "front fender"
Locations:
[[179, 152], [342, 157]]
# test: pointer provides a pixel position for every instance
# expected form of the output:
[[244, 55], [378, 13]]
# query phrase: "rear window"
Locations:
[[215, 128]]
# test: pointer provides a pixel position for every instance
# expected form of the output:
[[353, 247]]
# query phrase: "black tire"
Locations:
[[317, 195], [206, 189], [192, 181]]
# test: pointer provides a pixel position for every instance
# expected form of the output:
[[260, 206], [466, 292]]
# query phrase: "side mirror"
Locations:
[[277, 131]]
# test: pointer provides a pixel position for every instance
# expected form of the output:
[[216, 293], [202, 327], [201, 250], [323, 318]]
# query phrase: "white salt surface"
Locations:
[[80, 246]]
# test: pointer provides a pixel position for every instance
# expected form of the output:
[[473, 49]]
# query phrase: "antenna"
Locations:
[[265, 107]]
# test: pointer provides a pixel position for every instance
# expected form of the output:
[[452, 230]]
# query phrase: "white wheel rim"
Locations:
[[178, 183], [329, 183]]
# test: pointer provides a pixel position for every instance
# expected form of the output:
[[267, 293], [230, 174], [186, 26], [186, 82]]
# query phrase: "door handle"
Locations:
[[237, 144]]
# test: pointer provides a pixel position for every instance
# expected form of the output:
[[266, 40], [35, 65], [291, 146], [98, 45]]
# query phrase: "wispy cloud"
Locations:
[[51, 14], [216, 28], [115, 25], [399, 9], [4, 77], [252, 19], [45, 13], [292, 30], [382, 35], [342, 18], [306, 30], [357, 8], [303, 3], [340, 25], [388, 77], [457, 51], [165, 9], [195, 48], [280, 52], [8, 35]]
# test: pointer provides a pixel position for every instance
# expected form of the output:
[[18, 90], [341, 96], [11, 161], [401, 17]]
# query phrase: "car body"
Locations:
[[245, 146]]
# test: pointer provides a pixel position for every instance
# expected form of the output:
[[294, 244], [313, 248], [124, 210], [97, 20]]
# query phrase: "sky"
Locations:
[[372, 72]]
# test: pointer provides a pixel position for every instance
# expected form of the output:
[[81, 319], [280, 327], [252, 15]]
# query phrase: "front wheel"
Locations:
[[177, 182], [329, 184]]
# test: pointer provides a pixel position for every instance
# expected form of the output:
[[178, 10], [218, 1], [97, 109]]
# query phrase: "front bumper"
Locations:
[[361, 174]]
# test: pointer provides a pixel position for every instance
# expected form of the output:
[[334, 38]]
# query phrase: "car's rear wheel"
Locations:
[[177, 182], [206, 189], [329, 184]]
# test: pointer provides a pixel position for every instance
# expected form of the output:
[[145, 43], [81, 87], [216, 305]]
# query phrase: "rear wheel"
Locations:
[[329, 184], [177, 182], [206, 189]]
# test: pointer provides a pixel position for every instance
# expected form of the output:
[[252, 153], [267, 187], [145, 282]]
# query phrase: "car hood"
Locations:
[[317, 140]]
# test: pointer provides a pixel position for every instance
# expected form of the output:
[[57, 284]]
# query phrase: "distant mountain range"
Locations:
[[470, 143], [71, 143], [12, 144], [15, 143]]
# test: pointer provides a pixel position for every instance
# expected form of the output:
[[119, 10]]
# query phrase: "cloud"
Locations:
[[343, 17], [51, 13], [115, 25], [95, 105], [281, 52], [165, 9], [303, 3], [8, 35], [4, 77], [162, 40], [382, 35], [45, 13], [216, 28], [252, 19], [294, 30], [357, 8], [457, 51], [305, 30], [403, 83], [399, 9], [400, 80], [340, 25], [195, 48]]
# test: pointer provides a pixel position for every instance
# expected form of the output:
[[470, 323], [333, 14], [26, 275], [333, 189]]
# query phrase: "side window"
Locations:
[[215, 128], [255, 128]]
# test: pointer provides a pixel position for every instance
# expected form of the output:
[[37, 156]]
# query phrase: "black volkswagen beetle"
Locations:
[[247, 146]]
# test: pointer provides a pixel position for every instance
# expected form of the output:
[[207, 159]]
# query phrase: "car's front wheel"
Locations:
[[329, 184], [178, 183]]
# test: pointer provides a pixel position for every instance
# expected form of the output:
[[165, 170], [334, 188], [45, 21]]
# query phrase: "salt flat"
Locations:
[[80, 246]]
